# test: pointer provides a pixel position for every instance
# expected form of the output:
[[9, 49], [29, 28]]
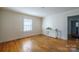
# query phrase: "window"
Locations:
[[27, 25]]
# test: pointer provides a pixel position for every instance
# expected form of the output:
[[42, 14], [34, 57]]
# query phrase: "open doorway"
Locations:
[[73, 27]]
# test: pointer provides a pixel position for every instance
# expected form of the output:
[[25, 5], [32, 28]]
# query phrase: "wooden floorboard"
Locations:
[[39, 43]]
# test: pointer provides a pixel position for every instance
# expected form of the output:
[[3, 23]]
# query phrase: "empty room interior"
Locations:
[[39, 29]]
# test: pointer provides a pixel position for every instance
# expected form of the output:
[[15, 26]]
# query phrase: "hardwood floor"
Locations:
[[39, 43]]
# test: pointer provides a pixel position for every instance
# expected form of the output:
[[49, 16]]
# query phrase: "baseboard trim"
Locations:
[[55, 38], [20, 38], [32, 36]]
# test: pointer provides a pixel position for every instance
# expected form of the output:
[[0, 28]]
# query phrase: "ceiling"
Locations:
[[41, 11]]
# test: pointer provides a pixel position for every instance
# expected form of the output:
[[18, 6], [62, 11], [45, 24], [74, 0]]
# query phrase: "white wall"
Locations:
[[0, 25], [58, 21], [12, 25]]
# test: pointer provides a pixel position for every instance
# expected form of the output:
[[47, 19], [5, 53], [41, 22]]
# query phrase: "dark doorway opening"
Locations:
[[73, 27]]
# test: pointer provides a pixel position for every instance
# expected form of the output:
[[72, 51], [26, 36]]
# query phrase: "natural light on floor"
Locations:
[[27, 46]]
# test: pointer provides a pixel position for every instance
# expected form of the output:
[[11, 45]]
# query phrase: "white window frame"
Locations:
[[27, 25]]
